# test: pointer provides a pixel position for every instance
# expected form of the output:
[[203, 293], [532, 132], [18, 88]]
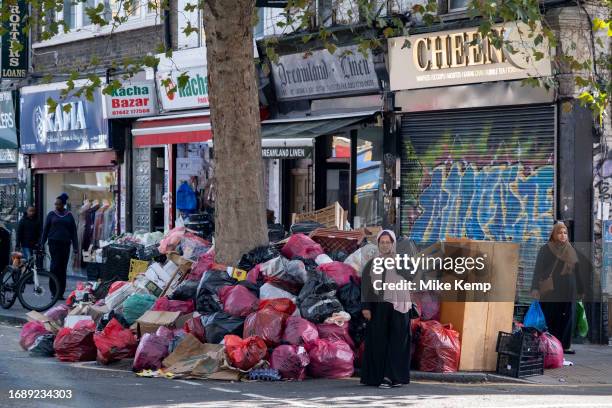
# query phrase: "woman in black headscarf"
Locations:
[[557, 284], [60, 230]]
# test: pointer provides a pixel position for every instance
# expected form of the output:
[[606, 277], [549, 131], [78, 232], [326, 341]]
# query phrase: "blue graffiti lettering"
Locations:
[[495, 203]]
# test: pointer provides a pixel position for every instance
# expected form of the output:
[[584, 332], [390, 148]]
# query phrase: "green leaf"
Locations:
[[150, 61], [331, 48], [51, 103], [538, 40], [538, 55], [599, 24], [388, 32], [182, 79]]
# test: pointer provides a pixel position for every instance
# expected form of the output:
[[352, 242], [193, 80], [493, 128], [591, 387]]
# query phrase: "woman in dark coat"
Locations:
[[557, 284], [386, 357], [60, 230]]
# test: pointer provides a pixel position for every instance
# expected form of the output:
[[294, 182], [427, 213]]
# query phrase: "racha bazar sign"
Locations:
[[75, 124], [286, 152], [463, 56], [136, 99], [194, 93], [346, 71]]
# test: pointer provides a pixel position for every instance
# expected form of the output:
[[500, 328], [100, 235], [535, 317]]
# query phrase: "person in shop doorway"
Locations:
[[61, 232], [28, 233], [386, 357], [556, 284]]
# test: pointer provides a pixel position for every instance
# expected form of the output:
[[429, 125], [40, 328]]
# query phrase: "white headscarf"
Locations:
[[400, 299]]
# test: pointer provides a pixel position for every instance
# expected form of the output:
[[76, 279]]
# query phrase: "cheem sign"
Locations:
[[464, 56], [137, 99]]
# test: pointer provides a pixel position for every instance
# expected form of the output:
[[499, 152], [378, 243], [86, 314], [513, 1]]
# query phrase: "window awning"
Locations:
[[172, 129], [302, 131]]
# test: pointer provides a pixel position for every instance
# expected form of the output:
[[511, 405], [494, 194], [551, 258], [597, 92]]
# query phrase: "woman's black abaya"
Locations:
[[387, 346]]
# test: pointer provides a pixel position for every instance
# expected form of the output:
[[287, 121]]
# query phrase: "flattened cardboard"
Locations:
[[152, 320], [49, 324]]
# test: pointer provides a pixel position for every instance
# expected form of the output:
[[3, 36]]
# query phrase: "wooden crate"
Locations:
[[332, 216]]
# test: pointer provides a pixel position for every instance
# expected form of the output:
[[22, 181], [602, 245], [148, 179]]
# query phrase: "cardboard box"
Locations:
[[49, 324], [152, 320], [180, 322], [184, 265], [158, 275], [97, 312], [480, 317]]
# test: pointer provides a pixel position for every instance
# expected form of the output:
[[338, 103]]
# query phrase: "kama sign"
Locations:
[[193, 95], [346, 71], [15, 42], [46, 130], [286, 152], [464, 56], [132, 100]]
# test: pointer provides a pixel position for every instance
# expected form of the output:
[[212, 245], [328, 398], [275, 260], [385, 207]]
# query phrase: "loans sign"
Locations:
[[133, 100], [14, 56]]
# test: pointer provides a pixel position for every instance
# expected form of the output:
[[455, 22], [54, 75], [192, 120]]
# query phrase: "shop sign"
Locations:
[[194, 94], [8, 156], [286, 152], [8, 172], [464, 56], [132, 100], [14, 60], [44, 130], [346, 71], [8, 132]]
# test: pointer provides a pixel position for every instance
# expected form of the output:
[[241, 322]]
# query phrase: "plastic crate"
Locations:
[[519, 367], [136, 268], [519, 354], [522, 343], [118, 258]]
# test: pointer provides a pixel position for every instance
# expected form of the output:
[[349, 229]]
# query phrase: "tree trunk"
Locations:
[[240, 223]]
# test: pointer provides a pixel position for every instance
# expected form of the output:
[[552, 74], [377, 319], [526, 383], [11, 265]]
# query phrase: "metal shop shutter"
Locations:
[[485, 174]]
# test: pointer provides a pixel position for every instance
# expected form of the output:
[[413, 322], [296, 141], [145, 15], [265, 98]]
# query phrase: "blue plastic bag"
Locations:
[[535, 317], [186, 199]]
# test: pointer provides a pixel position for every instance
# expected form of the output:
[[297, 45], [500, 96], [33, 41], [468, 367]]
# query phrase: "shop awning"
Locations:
[[302, 131], [172, 129]]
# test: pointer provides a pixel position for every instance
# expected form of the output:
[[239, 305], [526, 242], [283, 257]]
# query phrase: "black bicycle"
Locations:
[[30, 283]]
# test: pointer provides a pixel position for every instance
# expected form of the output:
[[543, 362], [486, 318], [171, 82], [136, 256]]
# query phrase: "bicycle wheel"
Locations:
[[39, 298], [8, 286]]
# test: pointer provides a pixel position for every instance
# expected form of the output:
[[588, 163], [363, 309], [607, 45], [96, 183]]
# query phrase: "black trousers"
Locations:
[[387, 346], [60, 254], [560, 318]]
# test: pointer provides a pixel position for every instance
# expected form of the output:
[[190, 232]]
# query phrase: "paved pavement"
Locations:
[[96, 386], [592, 365]]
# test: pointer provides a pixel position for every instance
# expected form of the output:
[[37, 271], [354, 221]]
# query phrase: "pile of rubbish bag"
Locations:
[[294, 310]]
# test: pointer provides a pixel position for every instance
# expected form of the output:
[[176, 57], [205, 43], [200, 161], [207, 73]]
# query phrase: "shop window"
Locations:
[[139, 13], [369, 173], [341, 148], [457, 5], [91, 201]]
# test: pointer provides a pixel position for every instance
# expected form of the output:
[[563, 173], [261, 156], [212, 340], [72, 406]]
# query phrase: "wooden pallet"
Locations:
[[332, 216]]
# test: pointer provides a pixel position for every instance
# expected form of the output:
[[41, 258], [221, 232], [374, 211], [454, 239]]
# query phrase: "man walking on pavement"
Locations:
[[28, 233]]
